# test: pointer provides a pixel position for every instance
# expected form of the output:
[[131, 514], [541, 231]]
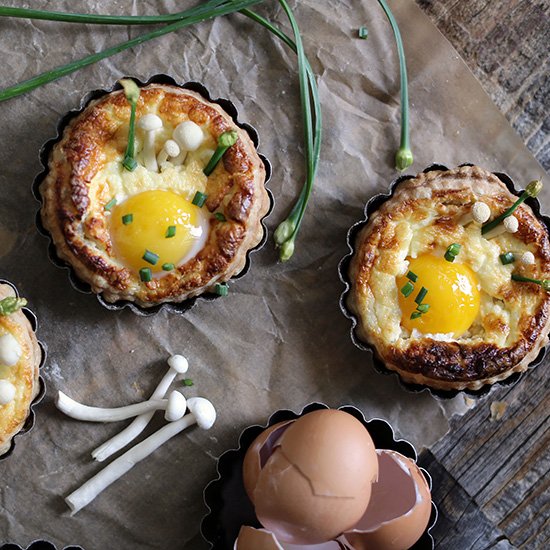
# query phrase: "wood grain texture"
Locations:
[[505, 44], [495, 475]]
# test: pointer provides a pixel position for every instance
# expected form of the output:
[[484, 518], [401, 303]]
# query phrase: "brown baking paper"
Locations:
[[279, 339]]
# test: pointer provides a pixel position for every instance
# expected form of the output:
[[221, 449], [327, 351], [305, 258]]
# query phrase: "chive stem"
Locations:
[[544, 283], [131, 92], [404, 157], [532, 190], [188, 17], [225, 141], [199, 199]]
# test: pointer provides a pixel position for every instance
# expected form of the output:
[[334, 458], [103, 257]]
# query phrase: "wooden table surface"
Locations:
[[494, 475]]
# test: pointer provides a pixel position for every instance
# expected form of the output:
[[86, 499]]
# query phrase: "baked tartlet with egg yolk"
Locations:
[[113, 226], [20, 358], [478, 325]]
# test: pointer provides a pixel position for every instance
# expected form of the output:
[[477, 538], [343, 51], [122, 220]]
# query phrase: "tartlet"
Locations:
[[20, 359], [85, 189], [501, 324]]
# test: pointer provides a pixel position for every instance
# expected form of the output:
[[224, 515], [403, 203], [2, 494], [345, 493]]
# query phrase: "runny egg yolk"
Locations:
[[141, 223], [453, 296]]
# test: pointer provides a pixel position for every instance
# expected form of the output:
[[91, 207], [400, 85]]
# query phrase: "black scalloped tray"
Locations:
[[343, 269], [229, 506], [29, 423], [37, 545], [81, 286]]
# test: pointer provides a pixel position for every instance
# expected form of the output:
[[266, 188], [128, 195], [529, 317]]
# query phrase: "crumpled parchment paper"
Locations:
[[279, 339]]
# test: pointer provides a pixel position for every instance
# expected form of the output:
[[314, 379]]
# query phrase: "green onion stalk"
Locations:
[[285, 234], [404, 157], [208, 10], [544, 283]]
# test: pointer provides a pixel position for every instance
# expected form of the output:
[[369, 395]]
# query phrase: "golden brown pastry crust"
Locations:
[[477, 359], [23, 375], [73, 209]]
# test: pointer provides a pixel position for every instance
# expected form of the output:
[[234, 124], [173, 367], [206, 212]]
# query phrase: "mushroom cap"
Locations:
[[481, 212], [179, 363], [7, 392], [527, 258], [188, 135], [176, 407], [150, 122], [172, 148], [10, 350], [203, 411], [511, 224]]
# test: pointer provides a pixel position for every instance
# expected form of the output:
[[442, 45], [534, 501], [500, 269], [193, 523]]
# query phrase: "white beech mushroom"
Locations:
[[178, 365], [170, 149], [78, 411], [189, 137], [509, 225], [149, 123], [202, 413], [7, 392], [10, 350], [525, 258], [479, 213]]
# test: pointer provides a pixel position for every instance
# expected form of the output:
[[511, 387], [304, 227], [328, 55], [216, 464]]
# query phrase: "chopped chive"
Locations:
[[170, 232], [412, 276], [423, 308], [188, 382], [220, 217], [416, 314], [168, 267], [452, 252], [145, 274], [151, 257], [127, 219], [199, 199], [507, 258], [110, 204], [407, 289], [544, 283], [421, 295], [221, 289], [363, 33], [225, 141]]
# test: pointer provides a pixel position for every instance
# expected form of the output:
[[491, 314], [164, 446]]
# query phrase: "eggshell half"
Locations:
[[259, 539], [400, 506], [317, 481]]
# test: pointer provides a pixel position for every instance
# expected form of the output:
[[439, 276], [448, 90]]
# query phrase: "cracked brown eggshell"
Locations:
[[316, 481], [399, 509], [259, 539]]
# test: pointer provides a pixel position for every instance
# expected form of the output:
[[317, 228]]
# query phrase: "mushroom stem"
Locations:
[[202, 413], [509, 225], [170, 150], [150, 123], [178, 366], [78, 411], [479, 213]]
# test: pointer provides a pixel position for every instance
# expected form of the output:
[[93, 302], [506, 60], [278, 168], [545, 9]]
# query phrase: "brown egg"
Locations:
[[315, 482], [259, 448], [400, 506]]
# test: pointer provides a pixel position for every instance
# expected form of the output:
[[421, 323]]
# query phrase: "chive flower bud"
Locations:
[[286, 250], [11, 304], [403, 158], [225, 141], [533, 188], [283, 232]]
